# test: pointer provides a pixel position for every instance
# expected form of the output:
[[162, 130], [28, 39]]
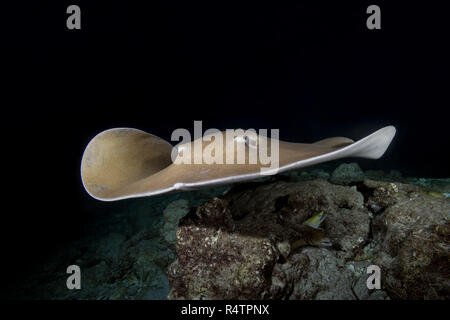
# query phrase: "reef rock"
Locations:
[[244, 244], [215, 262], [239, 246], [347, 173], [414, 235], [171, 215]]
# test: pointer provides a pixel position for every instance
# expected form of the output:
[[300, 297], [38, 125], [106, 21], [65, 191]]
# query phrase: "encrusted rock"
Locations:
[[319, 274], [251, 243], [214, 261], [415, 242], [171, 215], [239, 247], [360, 288], [320, 173], [382, 195], [347, 173], [248, 257]]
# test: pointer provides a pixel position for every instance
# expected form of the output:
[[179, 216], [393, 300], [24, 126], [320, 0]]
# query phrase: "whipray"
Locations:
[[125, 163]]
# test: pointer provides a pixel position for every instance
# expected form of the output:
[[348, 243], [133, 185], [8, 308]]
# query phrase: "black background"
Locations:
[[311, 69]]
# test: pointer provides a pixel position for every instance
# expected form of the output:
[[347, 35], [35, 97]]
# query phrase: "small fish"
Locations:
[[437, 194], [315, 220], [311, 235], [325, 242]]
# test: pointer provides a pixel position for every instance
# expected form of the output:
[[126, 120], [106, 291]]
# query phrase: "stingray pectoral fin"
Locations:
[[370, 147], [336, 142], [119, 157]]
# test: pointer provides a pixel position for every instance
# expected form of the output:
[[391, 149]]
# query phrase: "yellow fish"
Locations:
[[311, 235], [437, 194], [315, 220]]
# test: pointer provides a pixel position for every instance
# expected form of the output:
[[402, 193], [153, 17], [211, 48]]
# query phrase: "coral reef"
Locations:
[[249, 241], [347, 173], [414, 237], [124, 253], [237, 247], [171, 215]]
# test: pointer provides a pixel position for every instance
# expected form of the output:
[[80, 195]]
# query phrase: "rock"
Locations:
[[383, 195], [347, 173], [238, 247], [320, 174], [158, 288], [318, 274], [135, 273], [94, 276], [175, 211], [379, 295], [214, 262], [171, 215], [414, 232], [109, 246], [228, 248], [360, 288], [153, 250], [435, 185]]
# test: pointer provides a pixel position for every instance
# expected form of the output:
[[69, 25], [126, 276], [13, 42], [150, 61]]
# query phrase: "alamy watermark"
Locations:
[[73, 21], [374, 280], [74, 280], [232, 146]]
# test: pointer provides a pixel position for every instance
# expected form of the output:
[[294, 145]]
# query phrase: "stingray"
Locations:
[[126, 163]]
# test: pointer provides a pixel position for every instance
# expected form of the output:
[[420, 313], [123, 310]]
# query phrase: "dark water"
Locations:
[[310, 70]]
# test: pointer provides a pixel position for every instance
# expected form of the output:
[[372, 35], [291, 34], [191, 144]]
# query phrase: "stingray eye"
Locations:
[[250, 141]]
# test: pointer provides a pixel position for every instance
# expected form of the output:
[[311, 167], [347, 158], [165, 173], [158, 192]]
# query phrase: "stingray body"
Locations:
[[126, 163]]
